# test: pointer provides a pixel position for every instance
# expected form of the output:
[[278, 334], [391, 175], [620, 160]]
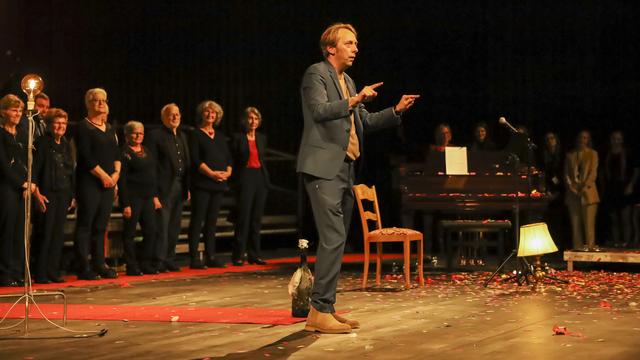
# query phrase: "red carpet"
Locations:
[[157, 313], [165, 313], [123, 280]]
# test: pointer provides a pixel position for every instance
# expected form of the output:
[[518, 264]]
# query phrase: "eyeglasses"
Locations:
[[99, 101]]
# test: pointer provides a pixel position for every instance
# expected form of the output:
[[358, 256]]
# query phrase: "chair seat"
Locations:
[[393, 234]]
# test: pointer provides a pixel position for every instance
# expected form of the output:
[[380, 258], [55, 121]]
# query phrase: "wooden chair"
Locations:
[[381, 235]]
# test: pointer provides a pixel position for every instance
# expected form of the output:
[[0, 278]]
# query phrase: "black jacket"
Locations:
[[13, 159], [240, 153], [161, 143], [46, 174]]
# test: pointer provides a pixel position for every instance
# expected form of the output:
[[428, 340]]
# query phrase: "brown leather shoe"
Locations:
[[325, 323], [354, 324]]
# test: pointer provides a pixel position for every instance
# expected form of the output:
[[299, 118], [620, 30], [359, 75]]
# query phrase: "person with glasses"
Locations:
[[97, 173], [139, 201], [53, 172]]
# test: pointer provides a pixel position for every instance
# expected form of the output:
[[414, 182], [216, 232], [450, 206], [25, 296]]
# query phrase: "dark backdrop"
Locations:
[[549, 65]]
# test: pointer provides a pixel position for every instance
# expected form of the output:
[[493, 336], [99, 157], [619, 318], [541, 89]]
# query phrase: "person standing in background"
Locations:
[[581, 196], [211, 168], [13, 191], [53, 172], [139, 201], [251, 182], [97, 174], [169, 146]]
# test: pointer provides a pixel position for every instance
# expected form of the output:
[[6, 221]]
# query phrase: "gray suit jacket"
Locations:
[[327, 121]]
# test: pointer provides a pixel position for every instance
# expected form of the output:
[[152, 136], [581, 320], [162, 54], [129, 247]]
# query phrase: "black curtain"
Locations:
[[548, 65]]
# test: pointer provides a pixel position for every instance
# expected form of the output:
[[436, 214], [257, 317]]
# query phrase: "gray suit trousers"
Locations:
[[332, 204]]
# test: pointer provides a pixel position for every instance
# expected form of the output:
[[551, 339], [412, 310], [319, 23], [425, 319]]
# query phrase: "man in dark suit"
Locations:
[[169, 146], [335, 120]]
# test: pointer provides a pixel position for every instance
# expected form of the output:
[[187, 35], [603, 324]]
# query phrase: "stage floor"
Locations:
[[452, 317]]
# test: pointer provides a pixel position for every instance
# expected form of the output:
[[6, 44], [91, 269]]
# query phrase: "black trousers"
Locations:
[[142, 211], [169, 223], [94, 209], [205, 206], [251, 198], [11, 234], [332, 204], [50, 241]]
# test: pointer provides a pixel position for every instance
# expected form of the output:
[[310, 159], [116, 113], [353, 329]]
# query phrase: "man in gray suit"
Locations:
[[335, 121]]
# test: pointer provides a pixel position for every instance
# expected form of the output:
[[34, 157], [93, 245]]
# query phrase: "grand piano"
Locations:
[[497, 187]]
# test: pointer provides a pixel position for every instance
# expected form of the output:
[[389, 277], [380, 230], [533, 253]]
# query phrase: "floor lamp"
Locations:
[[32, 85], [535, 240]]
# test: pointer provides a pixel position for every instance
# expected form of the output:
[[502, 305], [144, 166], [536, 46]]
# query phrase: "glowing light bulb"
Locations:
[[32, 85]]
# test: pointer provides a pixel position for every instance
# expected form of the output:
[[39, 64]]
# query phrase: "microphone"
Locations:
[[504, 122]]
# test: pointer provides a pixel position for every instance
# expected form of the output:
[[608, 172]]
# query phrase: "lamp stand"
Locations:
[[520, 274], [539, 274], [29, 294]]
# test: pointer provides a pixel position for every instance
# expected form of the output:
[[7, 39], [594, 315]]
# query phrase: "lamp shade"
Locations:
[[535, 240]]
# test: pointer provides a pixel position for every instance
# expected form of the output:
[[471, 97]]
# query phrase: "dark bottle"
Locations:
[[302, 292]]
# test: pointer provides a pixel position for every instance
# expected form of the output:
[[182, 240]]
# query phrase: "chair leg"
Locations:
[[421, 262], [378, 262], [407, 264], [365, 273]]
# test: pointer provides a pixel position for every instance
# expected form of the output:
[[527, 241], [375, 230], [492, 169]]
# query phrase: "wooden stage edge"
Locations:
[[605, 255]]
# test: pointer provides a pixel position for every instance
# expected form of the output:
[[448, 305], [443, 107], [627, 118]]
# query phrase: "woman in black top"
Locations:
[[481, 139], [13, 187], [251, 181], [53, 172], [97, 174], [618, 179], [211, 166], [139, 200], [552, 162]]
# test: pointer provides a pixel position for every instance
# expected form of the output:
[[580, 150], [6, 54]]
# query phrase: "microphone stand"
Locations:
[[28, 296], [522, 269]]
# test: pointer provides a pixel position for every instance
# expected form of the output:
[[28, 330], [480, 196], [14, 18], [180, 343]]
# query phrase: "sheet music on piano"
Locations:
[[456, 160], [478, 163]]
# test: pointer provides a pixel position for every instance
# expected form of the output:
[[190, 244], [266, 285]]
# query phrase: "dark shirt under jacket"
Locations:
[[95, 147], [212, 152], [240, 153], [137, 175], [13, 160], [53, 166], [553, 172], [172, 159]]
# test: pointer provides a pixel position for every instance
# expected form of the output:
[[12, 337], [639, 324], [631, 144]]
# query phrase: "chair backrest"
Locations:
[[363, 192]]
